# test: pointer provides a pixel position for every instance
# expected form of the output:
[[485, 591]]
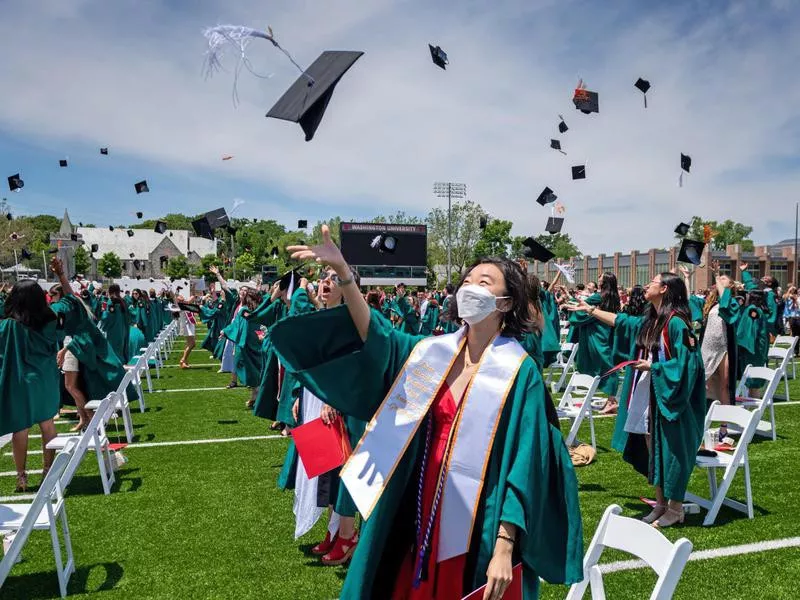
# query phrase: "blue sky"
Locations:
[[127, 75]]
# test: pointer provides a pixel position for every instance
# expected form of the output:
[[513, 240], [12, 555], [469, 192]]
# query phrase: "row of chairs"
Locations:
[[47, 508]]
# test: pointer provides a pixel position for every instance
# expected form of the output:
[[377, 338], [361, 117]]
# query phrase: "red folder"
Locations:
[[619, 367], [321, 447], [514, 591]]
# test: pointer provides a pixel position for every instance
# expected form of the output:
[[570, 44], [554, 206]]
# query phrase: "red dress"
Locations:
[[445, 578]]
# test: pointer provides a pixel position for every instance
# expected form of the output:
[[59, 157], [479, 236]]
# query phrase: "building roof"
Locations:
[[143, 242]]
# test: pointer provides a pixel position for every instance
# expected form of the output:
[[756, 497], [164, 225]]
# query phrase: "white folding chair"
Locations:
[[780, 359], [789, 342], [772, 377], [747, 421], [639, 539], [576, 405], [94, 438], [136, 371], [121, 404], [44, 512], [564, 365]]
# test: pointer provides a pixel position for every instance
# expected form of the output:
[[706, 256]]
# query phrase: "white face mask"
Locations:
[[475, 303]]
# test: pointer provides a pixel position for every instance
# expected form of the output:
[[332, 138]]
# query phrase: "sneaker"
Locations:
[[324, 546], [342, 551]]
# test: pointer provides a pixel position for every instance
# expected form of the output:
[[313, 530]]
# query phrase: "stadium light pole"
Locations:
[[449, 190]]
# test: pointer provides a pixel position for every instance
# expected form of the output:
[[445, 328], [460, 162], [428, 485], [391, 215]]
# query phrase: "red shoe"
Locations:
[[324, 546], [342, 551]]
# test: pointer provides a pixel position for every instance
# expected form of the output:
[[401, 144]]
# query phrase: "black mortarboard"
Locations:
[[579, 172], [136, 264], [111, 228], [308, 97], [546, 197], [9, 216], [139, 214], [25, 254], [556, 145], [562, 125], [691, 251], [231, 230], [161, 227], [643, 85], [95, 248], [682, 229], [80, 223], [141, 187], [15, 183], [438, 56], [130, 232], [286, 279], [554, 225], [104, 151], [74, 237], [202, 228], [535, 250], [274, 251], [131, 255], [686, 165], [302, 224], [483, 222], [587, 102], [62, 162]]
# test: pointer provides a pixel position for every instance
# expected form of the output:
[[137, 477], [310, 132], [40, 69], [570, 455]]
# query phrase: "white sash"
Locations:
[[391, 430]]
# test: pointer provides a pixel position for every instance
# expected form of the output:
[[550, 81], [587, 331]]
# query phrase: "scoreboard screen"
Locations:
[[361, 243]]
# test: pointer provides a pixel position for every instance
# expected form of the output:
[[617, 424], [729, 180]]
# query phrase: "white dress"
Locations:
[[715, 342]]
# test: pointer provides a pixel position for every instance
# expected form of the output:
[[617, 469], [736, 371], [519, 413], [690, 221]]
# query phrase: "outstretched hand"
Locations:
[[326, 253], [579, 306]]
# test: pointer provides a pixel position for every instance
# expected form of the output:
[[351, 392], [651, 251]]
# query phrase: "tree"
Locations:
[[177, 267], [173, 220], [559, 244], [202, 270], [495, 239], [83, 262], [465, 234], [398, 218], [245, 265], [110, 265], [724, 234]]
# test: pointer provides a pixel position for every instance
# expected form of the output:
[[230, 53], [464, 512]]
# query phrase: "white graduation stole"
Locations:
[[388, 434]]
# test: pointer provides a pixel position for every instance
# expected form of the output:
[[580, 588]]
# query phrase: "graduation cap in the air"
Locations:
[[274, 252], [384, 243], [104, 151], [643, 85], [111, 228], [308, 97], [686, 165], [562, 125], [231, 230], [95, 248], [25, 254], [535, 250], [585, 101], [691, 251], [682, 229], [161, 227], [130, 232], [141, 187], [290, 278], [546, 197], [139, 214], [9, 216], [556, 145], [438, 56], [136, 265], [62, 162], [302, 224], [483, 222], [131, 255], [554, 225], [579, 172], [15, 183], [74, 237]]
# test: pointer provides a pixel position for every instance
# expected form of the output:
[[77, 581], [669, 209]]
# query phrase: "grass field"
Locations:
[[207, 520]]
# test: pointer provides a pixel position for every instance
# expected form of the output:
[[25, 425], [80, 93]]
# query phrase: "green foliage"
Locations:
[[726, 233], [174, 221], [559, 244], [465, 233], [202, 270], [245, 266], [495, 239], [177, 267], [83, 262], [110, 265]]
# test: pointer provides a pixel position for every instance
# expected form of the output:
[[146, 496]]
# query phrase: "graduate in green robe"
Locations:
[[430, 321], [532, 340], [551, 330], [448, 322], [596, 339], [247, 355], [213, 314], [350, 358], [409, 321], [115, 321], [662, 413]]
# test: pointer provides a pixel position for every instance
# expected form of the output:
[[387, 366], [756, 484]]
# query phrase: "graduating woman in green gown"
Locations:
[[115, 321], [446, 324], [242, 333], [532, 340], [596, 339], [520, 476], [213, 314], [662, 414]]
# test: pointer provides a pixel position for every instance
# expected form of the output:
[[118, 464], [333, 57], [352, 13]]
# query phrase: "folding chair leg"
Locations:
[[149, 381], [61, 569], [747, 489], [591, 428], [105, 466], [772, 420], [127, 422]]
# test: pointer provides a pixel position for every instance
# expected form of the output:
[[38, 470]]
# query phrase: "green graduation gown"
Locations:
[[290, 388], [696, 305], [116, 324], [551, 333], [446, 324], [229, 307], [136, 342], [409, 321], [213, 316], [529, 479], [532, 342], [430, 321], [677, 407], [595, 346], [242, 332], [266, 404]]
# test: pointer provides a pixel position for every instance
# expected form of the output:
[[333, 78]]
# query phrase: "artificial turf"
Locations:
[[208, 521]]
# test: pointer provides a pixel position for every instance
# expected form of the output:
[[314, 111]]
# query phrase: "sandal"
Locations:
[[231, 385], [669, 518], [656, 513], [341, 552], [250, 404], [22, 483], [324, 546], [278, 426]]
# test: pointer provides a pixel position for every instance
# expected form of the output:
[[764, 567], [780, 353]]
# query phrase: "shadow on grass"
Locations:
[[90, 485], [591, 487], [38, 586]]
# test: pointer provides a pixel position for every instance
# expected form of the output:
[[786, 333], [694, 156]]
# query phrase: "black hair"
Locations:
[[516, 321], [636, 302], [609, 294], [545, 285], [449, 288], [27, 304], [534, 297], [114, 288], [758, 299], [580, 287], [675, 302], [772, 283]]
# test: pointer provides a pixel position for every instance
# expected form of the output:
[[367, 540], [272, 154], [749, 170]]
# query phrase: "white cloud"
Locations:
[[722, 92]]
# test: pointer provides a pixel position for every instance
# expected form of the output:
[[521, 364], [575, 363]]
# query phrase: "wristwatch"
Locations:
[[345, 281]]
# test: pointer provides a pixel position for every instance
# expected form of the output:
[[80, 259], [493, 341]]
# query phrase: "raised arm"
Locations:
[[605, 317], [57, 267], [215, 270], [329, 254]]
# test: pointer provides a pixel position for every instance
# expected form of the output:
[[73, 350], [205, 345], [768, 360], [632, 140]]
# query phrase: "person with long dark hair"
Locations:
[[636, 304], [473, 399], [115, 321], [596, 339], [532, 340], [661, 419]]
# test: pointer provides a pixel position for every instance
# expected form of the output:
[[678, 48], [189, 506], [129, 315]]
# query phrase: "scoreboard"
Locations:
[[360, 244]]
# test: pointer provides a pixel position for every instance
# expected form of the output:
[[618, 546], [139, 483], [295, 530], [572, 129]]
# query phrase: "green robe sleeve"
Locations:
[[729, 309], [267, 313], [327, 355], [674, 379], [626, 329], [696, 305], [750, 284]]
